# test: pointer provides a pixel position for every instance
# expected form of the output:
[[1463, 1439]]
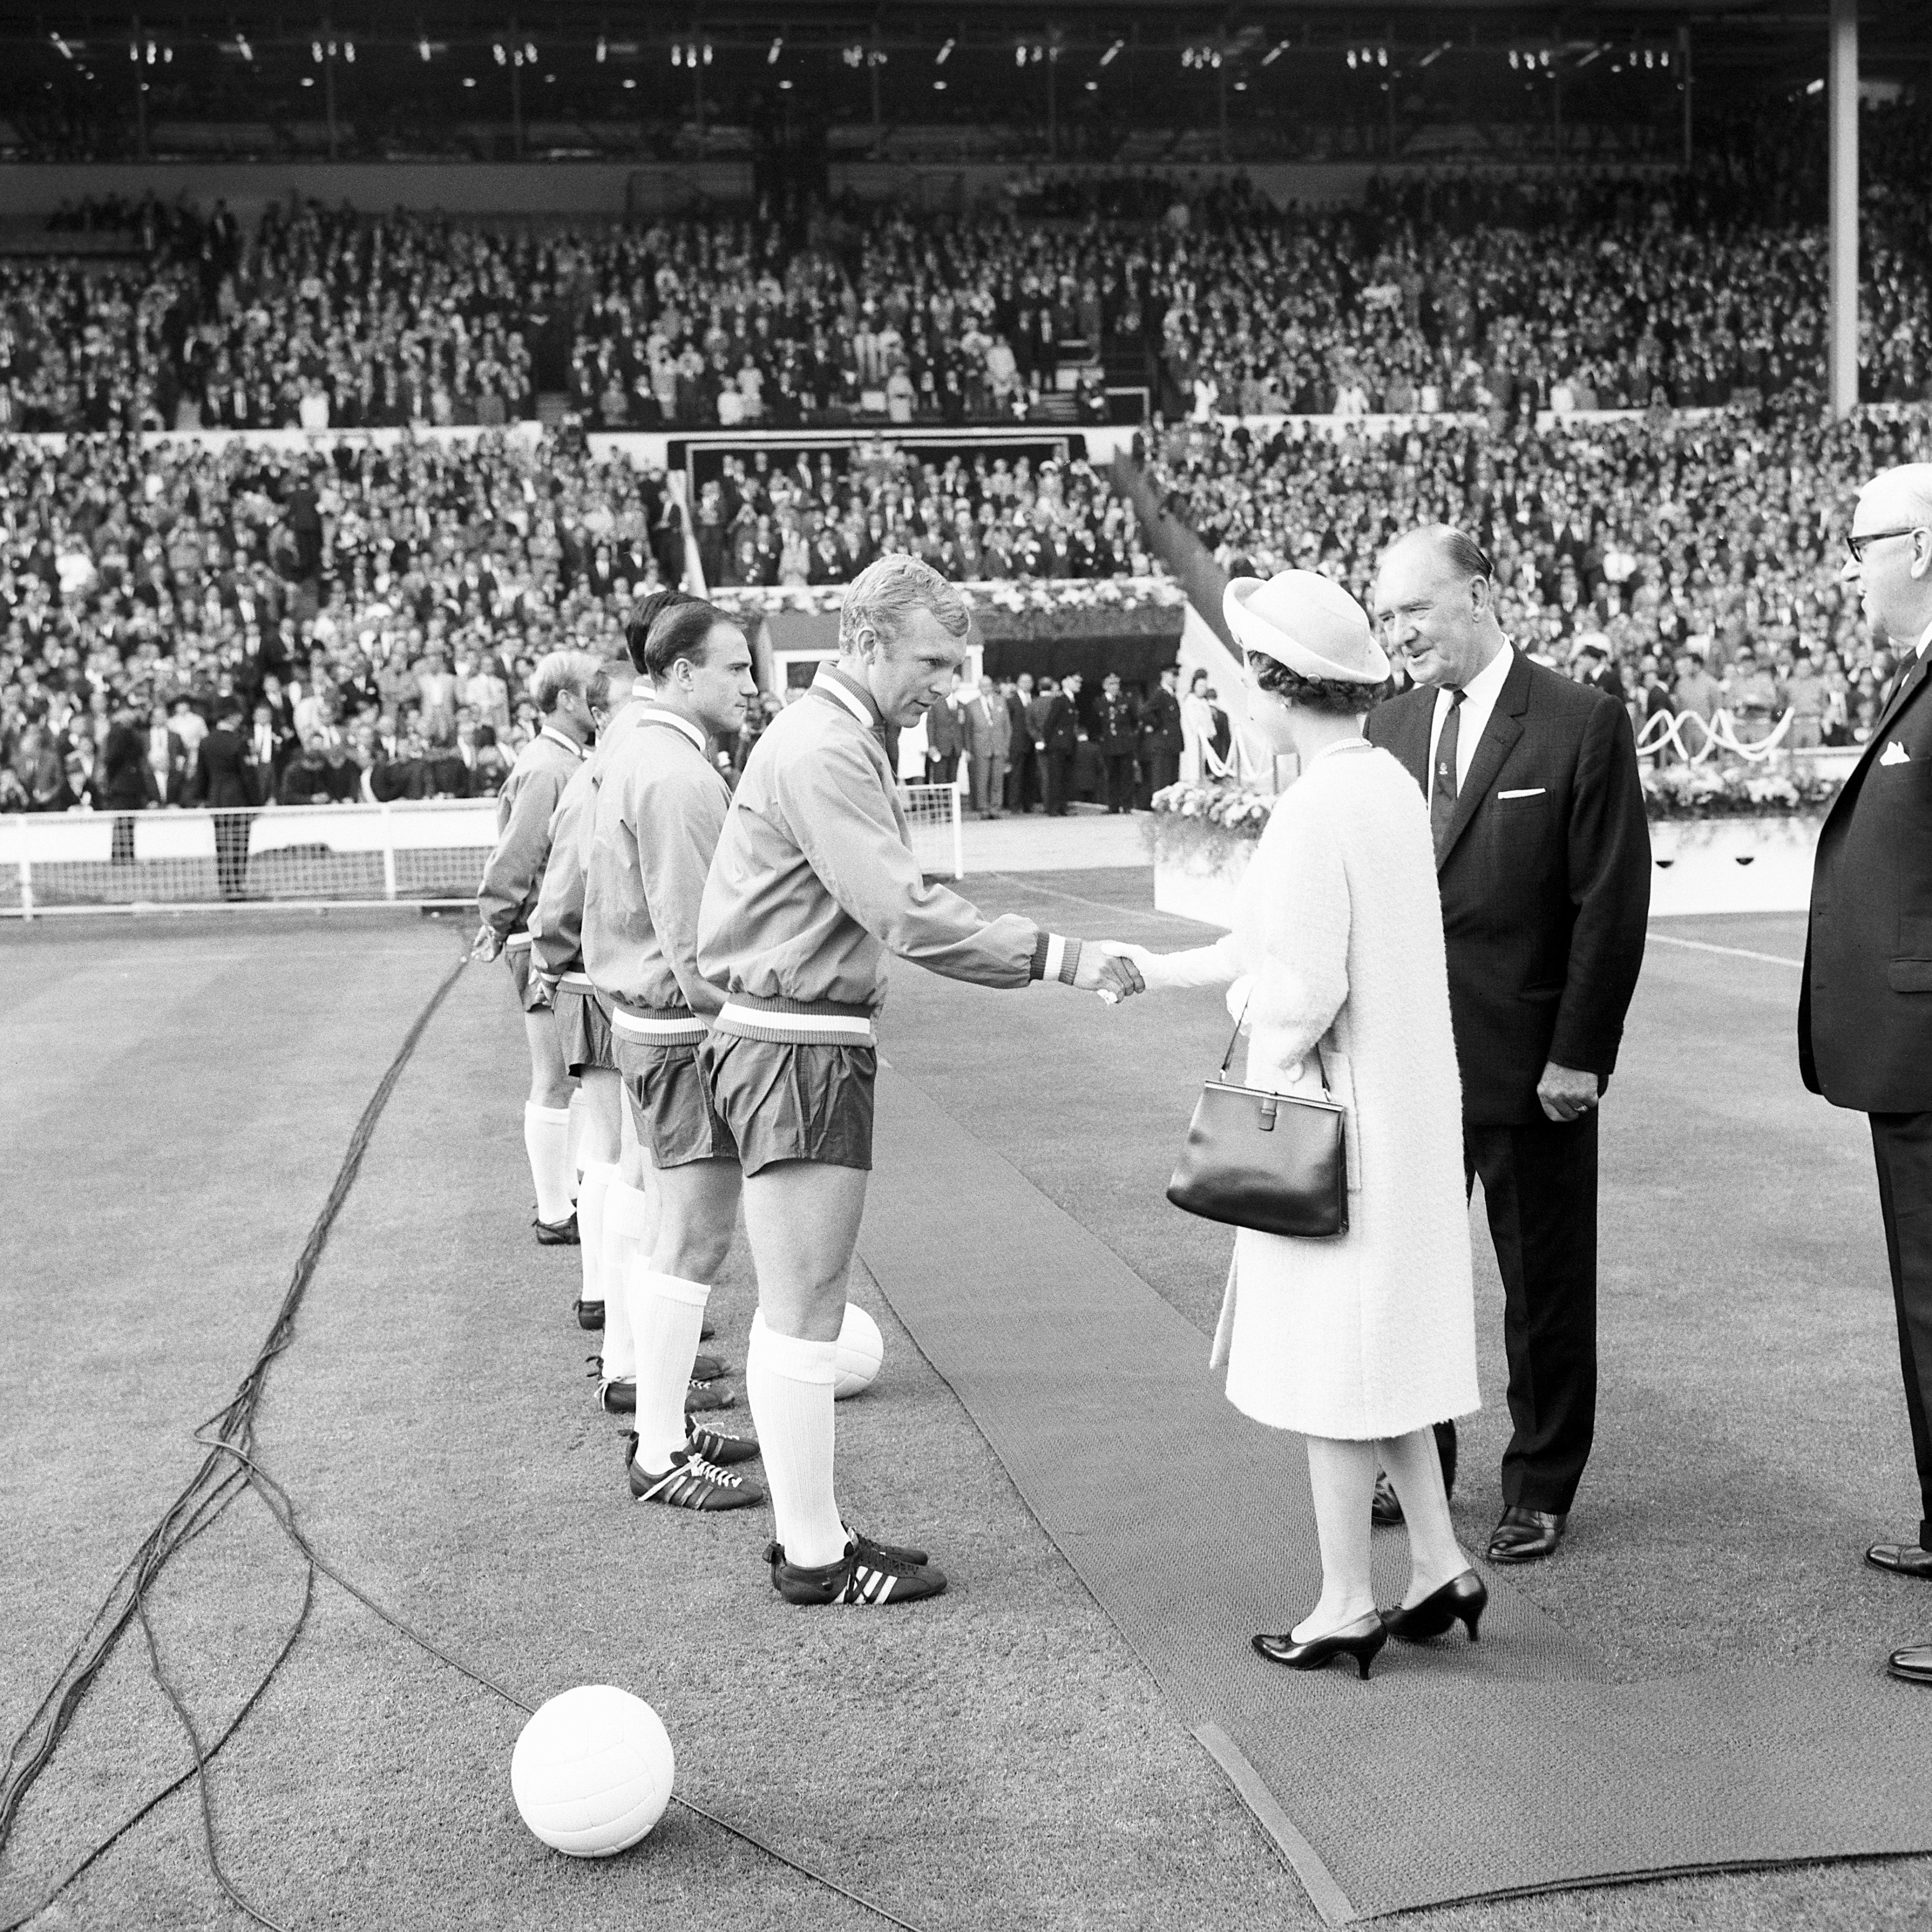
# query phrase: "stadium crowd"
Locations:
[[1436, 293], [373, 614], [1690, 563]]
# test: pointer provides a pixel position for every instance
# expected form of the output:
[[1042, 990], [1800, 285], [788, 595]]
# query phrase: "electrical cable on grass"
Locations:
[[206, 1498]]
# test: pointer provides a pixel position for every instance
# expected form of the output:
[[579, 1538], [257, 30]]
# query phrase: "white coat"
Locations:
[[1339, 939]]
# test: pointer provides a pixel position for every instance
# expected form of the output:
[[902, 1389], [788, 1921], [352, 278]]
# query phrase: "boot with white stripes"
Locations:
[[691, 1482], [868, 1572]]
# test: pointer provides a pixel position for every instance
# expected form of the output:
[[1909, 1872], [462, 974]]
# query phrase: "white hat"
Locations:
[[1306, 622]]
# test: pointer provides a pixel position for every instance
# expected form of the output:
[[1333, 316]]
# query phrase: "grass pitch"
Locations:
[[174, 1101]]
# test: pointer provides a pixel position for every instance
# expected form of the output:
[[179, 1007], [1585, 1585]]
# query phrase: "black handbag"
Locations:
[[1272, 1161]]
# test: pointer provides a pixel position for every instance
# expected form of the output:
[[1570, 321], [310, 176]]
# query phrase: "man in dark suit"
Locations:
[[1865, 1012], [1021, 769], [1162, 738], [1059, 737], [225, 783], [1116, 727], [1543, 855]]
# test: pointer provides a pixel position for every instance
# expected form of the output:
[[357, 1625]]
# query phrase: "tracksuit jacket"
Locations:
[[507, 894], [660, 804], [815, 883]]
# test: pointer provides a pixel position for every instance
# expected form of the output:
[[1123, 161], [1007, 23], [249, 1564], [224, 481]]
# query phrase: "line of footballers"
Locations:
[[708, 967]]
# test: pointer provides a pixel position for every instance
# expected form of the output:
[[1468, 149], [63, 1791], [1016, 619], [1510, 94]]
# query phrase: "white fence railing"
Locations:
[[428, 852]]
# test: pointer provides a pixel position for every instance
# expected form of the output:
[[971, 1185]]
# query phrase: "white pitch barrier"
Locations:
[[429, 852]]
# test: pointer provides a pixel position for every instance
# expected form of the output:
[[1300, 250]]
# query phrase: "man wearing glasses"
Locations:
[[1864, 1012], [1543, 857]]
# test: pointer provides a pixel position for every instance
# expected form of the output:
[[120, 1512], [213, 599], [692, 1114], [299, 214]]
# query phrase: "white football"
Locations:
[[861, 1349], [592, 1772]]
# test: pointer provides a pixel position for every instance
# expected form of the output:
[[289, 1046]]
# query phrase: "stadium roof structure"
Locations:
[[395, 77]]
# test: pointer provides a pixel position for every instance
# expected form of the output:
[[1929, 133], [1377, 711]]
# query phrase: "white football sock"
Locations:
[[788, 1383], [667, 1316], [629, 1228], [592, 1195], [580, 1124], [547, 1142]]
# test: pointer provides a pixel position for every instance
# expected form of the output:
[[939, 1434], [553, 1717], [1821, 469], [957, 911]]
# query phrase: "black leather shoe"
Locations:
[[707, 1395], [1902, 1559], [1913, 1665], [707, 1369], [1359, 1639], [1463, 1597], [590, 1314], [1527, 1535], [558, 1234]]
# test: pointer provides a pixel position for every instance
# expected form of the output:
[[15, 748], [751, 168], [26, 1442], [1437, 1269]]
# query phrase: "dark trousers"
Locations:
[[1159, 770], [1903, 1145], [941, 767], [1022, 778], [1059, 782], [231, 851], [1119, 780], [1540, 1188]]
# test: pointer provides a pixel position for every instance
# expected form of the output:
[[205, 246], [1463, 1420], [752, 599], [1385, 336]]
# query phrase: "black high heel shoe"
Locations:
[[1462, 1599], [1359, 1639]]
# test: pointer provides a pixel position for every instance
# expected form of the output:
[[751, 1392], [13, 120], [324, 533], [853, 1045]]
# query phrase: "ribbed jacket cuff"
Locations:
[[1056, 956]]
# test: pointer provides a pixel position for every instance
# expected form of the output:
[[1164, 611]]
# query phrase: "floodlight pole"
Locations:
[[516, 91], [140, 94], [1842, 98], [1684, 60], [328, 79]]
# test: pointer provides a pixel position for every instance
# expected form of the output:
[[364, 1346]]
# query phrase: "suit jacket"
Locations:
[[1160, 722], [1546, 893], [122, 781], [988, 727], [224, 775], [1116, 720], [1864, 1011], [1061, 727], [1019, 729]]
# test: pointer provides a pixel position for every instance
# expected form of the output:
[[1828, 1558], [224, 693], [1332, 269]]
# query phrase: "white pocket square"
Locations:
[[1533, 791], [1895, 753]]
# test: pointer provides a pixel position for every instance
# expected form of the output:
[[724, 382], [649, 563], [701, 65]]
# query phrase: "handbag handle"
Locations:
[[1228, 1058]]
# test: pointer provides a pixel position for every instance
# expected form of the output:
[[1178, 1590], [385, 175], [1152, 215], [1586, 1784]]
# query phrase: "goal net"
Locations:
[[932, 817]]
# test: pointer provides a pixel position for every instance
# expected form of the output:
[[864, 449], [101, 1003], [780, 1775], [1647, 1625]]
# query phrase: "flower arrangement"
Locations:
[[1732, 791], [1202, 826]]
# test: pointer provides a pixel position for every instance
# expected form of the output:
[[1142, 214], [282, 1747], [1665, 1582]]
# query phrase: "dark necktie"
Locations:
[[1900, 678], [1442, 789]]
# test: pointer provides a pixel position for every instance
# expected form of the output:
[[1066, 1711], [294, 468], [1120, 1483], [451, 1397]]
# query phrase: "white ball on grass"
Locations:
[[861, 1349], [591, 1771]]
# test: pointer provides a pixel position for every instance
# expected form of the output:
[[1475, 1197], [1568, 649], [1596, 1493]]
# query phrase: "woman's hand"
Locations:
[[1105, 969], [1239, 992]]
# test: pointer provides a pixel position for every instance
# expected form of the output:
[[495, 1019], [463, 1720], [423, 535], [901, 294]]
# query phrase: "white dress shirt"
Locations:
[[1479, 700]]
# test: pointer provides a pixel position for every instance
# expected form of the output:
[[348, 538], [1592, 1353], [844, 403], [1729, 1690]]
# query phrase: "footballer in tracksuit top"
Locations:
[[813, 884], [583, 1019], [660, 804], [508, 896]]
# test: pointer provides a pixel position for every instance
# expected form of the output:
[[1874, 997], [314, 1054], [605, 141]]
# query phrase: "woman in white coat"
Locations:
[[1362, 1341]]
